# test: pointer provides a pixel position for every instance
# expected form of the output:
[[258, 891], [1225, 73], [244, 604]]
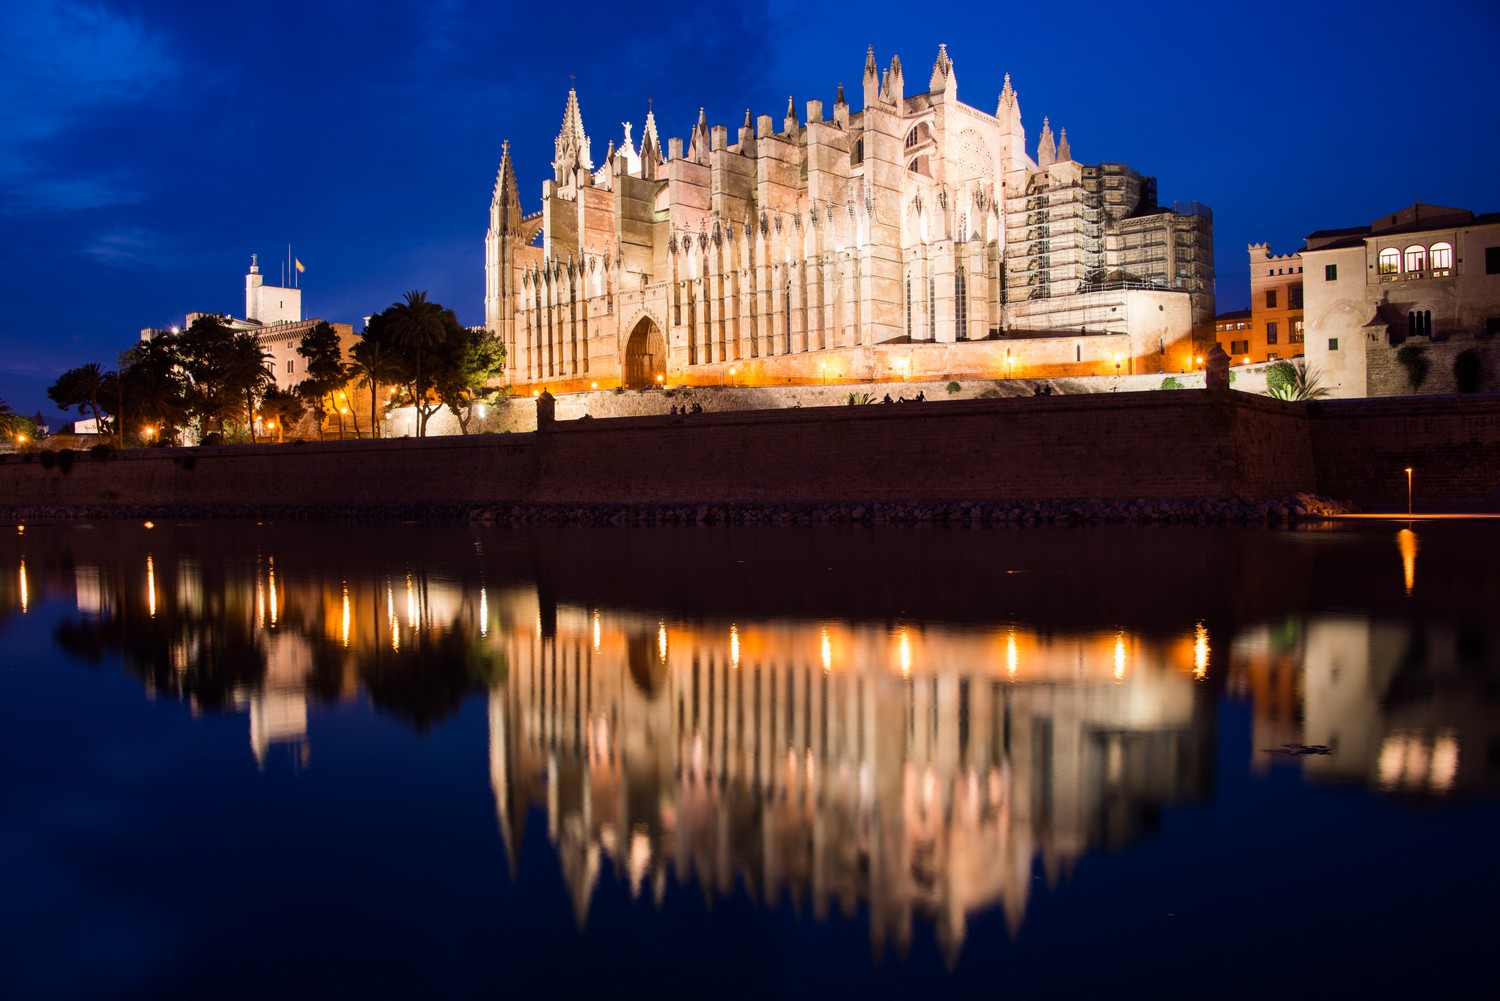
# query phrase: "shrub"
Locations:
[[65, 458], [47, 458], [212, 438], [1466, 369], [1278, 377], [1172, 382], [1413, 358], [954, 387], [102, 453]]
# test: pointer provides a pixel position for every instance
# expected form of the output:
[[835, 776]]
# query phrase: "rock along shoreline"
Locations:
[[1273, 513]]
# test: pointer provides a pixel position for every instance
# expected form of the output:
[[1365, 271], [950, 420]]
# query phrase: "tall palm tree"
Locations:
[[373, 363], [9, 420], [247, 370], [418, 325]]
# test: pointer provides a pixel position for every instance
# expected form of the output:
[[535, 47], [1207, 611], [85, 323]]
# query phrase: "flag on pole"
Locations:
[[300, 268]]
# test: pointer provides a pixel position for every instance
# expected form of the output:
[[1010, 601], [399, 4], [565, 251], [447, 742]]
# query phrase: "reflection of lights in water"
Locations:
[[661, 640], [345, 615], [1406, 760], [1200, 652], [260, 603], [1444, 762], [23, 587], [411, 605], [150, 524], [1120, 657], [484, 613], [390, 616], [20, 529], [598, 635], [904, 652], [827, 646], [734, 645], [272, 573], [1406, 541], [640, 856], [151, 585], [1011, 659]]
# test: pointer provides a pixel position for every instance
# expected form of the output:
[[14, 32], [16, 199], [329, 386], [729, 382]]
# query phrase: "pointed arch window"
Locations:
[[960, 304], [908, 305]]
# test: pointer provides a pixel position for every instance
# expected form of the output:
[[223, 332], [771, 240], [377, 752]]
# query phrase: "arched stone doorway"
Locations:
[[645, 355]]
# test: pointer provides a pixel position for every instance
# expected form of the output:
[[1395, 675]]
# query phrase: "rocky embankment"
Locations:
[[971, 514]]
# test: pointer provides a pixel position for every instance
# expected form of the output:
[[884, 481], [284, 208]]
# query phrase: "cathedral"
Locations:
[[916, 238]]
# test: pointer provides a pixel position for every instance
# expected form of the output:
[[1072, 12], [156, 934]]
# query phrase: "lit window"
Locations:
[[1390, 261], [1416, 259], [1442, 256]]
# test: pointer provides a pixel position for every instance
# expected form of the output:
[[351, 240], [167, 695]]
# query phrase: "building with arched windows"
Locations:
[[917, 237], [1425, 278]]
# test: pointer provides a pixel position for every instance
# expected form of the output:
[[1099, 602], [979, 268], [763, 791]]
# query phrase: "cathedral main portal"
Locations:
[[645, 356]]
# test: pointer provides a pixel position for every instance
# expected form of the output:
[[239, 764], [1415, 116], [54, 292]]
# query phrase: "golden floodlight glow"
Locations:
[[904, 652], [593, 385], [734, 645], [827, 649], [598, 632], [150, 524], [1406, 541], [1120, 657], [20, 529], [1200, 652], [346, 616], [661, 640], [151, 585], [23, 586], [1011, 659]]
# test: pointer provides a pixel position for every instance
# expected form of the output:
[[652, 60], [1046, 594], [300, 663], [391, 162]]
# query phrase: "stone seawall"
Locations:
[[1171, 446]]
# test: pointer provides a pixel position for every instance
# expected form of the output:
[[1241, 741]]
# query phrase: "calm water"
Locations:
[[276, 760]]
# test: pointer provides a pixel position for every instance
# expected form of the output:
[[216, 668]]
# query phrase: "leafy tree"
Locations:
[[81, 387], [153, 386], [374, 362], [1172, 382], [1294, 380], [1466, 369], [461, 366], [419, 325], [1413, 358], [282, 407], [324, 363], [204, 353]]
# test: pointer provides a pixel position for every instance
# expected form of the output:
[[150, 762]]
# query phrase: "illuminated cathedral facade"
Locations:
[[916, 237]]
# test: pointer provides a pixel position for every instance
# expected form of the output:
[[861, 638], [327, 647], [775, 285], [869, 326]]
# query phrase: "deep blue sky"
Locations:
[[147, 149]]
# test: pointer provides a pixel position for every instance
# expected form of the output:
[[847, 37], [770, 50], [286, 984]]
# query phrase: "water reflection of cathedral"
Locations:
[[920, 772]]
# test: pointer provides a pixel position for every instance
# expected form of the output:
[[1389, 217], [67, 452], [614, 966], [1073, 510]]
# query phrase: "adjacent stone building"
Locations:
[[916, 237], [1276, 311], [1425, 278]]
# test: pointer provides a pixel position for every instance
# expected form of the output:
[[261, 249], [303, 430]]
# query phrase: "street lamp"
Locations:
[[1408, 491]]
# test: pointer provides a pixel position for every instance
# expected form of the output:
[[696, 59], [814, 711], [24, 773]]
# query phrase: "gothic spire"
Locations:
[[791, 123], [1046, 149], [1064, 151], [572, 143], [698, 142], [942, 69], [648, 134], [872, 82]]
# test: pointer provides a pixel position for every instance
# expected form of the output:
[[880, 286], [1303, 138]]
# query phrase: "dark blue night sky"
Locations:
[[147, 149]]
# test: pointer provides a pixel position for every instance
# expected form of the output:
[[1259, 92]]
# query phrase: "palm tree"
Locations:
[[9, 420], [1294, 380], [372, 364], [418, 325], [247, 370]]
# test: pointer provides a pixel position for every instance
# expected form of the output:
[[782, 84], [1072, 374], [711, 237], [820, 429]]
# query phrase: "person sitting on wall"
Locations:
[[887, 398], [921, 396], [697, 408], [672, 410]]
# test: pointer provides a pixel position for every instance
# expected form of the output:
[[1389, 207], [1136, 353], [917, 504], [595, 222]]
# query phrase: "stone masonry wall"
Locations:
[[1160, 445]]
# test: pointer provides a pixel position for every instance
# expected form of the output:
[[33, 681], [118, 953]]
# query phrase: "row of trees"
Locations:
[[217, 381]]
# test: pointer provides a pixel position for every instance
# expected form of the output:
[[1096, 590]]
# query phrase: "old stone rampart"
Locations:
[[1156, 446]]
